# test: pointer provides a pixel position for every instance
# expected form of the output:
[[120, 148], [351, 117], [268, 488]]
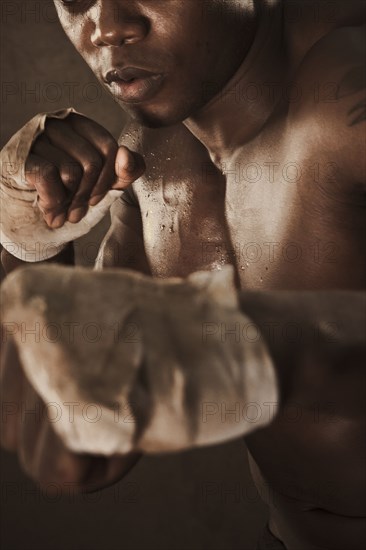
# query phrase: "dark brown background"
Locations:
[[198, 500]]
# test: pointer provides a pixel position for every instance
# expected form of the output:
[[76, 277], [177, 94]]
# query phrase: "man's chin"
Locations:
[[155, 116]]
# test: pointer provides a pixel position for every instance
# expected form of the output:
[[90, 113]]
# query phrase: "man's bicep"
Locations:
[[355, 146], [351, 120], [123, 245], [334, 79]]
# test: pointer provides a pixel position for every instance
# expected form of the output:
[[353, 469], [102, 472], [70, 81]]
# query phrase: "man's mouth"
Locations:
[[133, 85]]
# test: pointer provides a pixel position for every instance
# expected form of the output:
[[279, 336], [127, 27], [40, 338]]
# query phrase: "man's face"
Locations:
[[188, 48]]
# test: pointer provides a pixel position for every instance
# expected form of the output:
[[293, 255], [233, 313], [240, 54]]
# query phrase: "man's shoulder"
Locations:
[[332, 73], [331, 85]]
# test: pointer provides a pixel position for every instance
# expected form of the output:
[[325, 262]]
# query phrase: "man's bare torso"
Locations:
[[281, 209]]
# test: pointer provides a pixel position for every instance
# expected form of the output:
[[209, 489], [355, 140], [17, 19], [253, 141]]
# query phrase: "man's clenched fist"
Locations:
[[27, 428], [143, 354], [73, 164], [60, 174]]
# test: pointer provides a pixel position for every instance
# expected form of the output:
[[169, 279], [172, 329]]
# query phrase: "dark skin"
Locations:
[[319, 504], [156, 33], [76, 161]]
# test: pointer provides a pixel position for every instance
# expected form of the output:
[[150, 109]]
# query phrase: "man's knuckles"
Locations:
[[108, 147], [39, 172], [70, 188], [71, 175]]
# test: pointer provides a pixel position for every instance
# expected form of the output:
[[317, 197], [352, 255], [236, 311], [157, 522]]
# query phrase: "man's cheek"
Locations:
[[73, 26]]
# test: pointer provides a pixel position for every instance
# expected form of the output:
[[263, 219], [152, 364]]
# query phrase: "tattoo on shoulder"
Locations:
[[358, 113], [353, 82]]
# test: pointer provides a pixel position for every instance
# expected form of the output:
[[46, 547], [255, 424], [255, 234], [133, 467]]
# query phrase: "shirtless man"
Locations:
[[250, 121]]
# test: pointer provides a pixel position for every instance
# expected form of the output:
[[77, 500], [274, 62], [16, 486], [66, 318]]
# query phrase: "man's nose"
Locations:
[[118, 24]]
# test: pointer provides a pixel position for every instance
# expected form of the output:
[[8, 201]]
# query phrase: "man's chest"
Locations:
[[279, 214], [293, 223]]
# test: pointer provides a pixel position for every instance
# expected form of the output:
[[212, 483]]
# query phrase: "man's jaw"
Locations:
[[232, 118], [152, 99]]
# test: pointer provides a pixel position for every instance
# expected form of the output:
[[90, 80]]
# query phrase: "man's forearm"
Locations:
[[10, 262], [174, 357], [317, 342]]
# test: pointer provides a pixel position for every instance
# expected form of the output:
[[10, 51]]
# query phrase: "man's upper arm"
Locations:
[[349, 113], [333, 82], [123, 246]]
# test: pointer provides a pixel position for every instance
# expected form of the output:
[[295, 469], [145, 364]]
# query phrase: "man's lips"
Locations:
[[127, 73], [133, 85]]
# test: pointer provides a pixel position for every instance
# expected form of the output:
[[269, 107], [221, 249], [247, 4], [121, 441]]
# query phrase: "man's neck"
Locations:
[[238, 113]]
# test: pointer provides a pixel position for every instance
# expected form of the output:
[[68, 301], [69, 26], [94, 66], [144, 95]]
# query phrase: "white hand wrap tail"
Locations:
[[23, 231]]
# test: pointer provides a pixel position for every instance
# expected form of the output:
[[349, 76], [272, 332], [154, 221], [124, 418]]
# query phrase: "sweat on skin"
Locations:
[[169, 209]]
